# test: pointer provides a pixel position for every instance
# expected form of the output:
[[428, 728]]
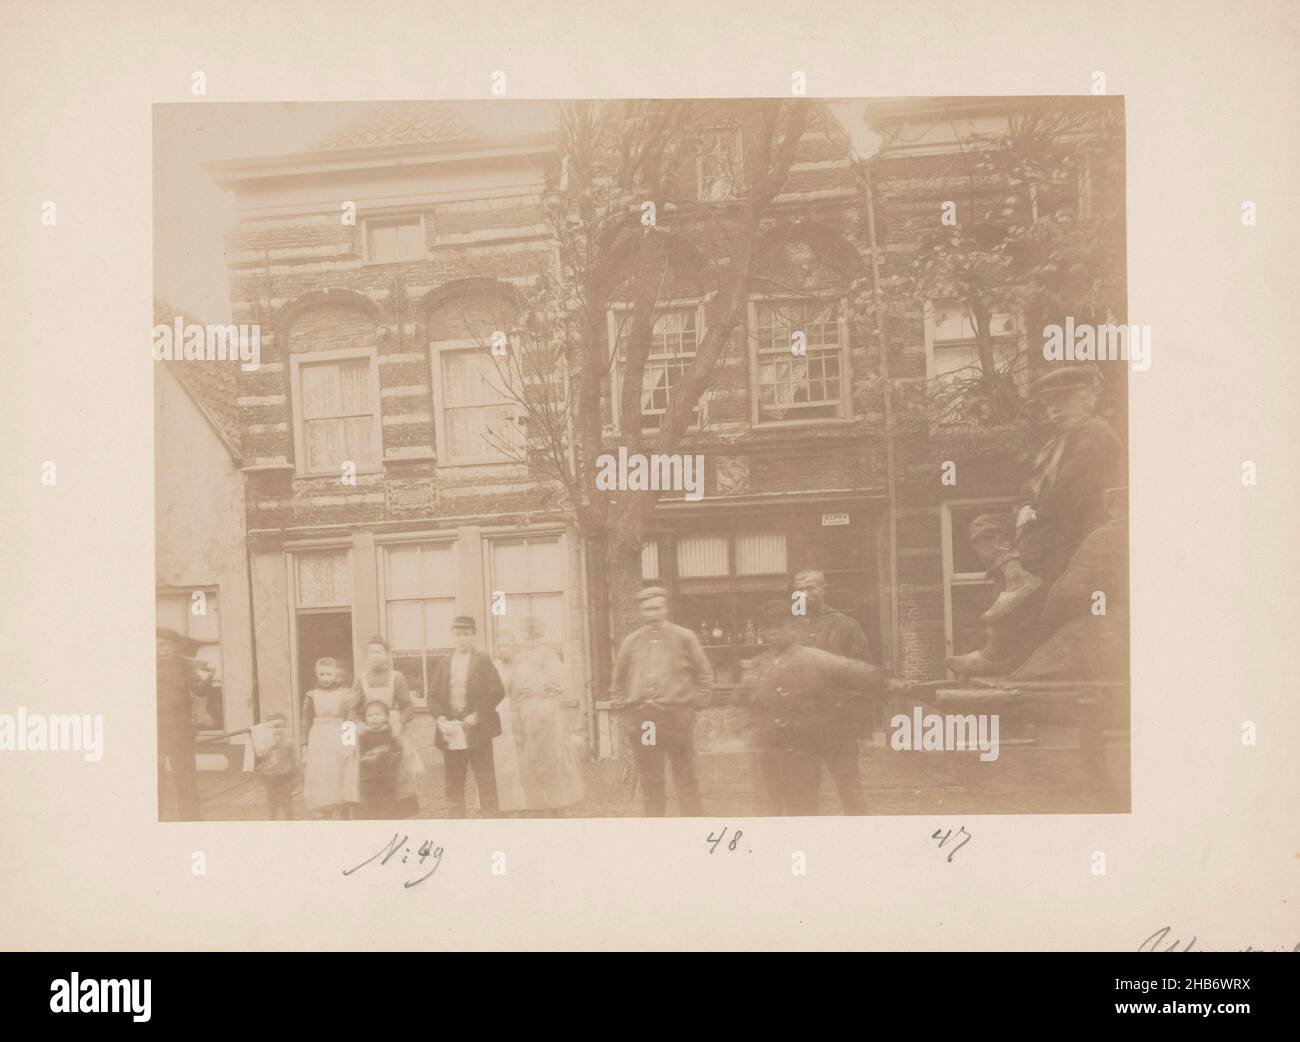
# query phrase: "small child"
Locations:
[[381, 758], [277, 767]]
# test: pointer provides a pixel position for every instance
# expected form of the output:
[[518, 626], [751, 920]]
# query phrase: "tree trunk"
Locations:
[[613, 579]]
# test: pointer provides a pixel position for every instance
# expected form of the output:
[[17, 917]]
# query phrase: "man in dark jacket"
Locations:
[[178, 676], [826, 629], [798, 716], [1063, 500], [463, 698]]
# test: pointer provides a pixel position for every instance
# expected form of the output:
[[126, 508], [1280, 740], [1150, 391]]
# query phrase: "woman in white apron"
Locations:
[[381, 682], [548, 764], [330, 786]]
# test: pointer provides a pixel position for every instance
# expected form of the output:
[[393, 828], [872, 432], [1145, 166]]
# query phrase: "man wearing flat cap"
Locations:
[[179, 674], [1063, 500], [463, 698], [798, 716], [660, 673]]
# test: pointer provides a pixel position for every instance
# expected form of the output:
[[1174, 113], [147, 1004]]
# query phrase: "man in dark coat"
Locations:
[[1063, 500], [826, 629], [178, 676], [463, 698], [798, 712]]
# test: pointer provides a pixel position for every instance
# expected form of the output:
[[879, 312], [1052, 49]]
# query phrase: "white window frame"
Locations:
[[846, 371], [951, 578], [437, 348], [1019, 339], [739, 143], [612, 315], [406, 543], [309, 358], [393, 218]]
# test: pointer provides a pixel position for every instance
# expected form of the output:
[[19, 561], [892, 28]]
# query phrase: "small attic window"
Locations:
[[718, 164], [389, 239]]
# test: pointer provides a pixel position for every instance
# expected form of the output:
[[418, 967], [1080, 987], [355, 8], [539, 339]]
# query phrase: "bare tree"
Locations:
[[647, 193]]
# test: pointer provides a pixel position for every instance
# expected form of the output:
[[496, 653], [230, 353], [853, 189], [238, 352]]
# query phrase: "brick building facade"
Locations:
[[379, 266]]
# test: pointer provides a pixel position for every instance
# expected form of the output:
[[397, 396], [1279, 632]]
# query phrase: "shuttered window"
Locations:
[[336, 411]]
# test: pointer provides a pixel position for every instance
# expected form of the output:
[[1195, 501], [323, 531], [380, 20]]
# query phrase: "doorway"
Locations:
[[322, 635]]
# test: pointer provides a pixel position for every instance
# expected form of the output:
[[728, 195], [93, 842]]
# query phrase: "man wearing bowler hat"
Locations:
[[660, 672], [463, 698], [1063, 500]]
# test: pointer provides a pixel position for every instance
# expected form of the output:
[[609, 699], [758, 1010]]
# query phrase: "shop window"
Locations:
[[420, 603], [336, 411], [720, 582], [968, 592], [530, 573], [701, 555], [199, 618], [650, 561], [717, 580], [760, 553]]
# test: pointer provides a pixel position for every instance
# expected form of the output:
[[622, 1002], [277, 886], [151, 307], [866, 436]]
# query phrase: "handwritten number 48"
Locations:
[[715, 840]]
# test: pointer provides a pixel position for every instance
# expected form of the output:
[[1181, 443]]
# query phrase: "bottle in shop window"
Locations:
[[751, 634], [716, 632]]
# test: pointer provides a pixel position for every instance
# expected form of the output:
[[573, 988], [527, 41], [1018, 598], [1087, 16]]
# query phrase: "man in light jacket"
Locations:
[[660, 674]]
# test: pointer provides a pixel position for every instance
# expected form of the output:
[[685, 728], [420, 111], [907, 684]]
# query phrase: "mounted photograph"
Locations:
[[632, 458]]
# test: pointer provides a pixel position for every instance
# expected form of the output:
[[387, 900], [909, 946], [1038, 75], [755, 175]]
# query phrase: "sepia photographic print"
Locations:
[[681, 477], [631, 458]]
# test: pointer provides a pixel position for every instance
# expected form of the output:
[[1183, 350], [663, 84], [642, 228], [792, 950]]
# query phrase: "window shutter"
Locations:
[[760, 553], [699, 555]]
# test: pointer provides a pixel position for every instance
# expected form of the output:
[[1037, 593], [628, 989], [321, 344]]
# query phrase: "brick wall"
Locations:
[[281, 268]]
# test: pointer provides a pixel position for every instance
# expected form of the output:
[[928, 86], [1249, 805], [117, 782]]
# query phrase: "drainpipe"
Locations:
[[248, 549], [890, 472], [252, 619]]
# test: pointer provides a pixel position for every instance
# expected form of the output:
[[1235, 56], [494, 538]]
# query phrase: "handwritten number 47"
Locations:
[[943, 838]]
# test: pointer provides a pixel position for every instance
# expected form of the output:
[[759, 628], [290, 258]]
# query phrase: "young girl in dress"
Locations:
[[330, 786], [380, 762], [381, 682]]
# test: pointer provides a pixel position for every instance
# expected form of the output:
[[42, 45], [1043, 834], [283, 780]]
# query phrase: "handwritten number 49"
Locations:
[[715, 840]]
